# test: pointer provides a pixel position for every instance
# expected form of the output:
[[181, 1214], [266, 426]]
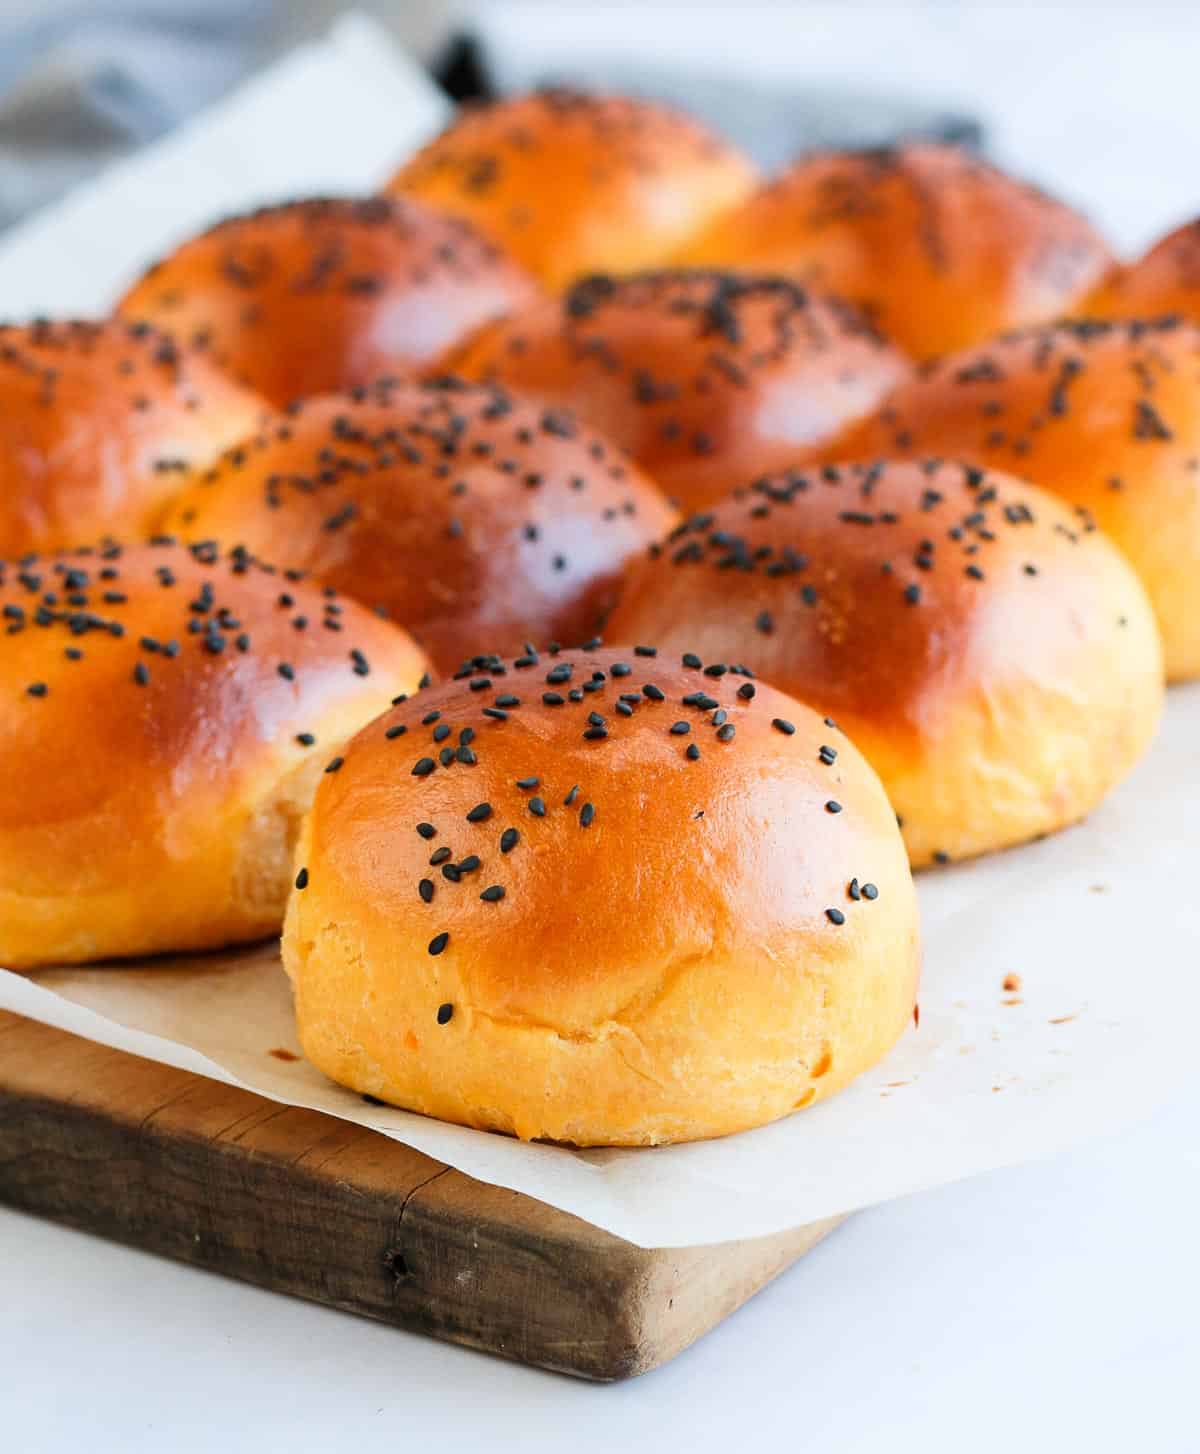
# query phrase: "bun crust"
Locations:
[[152, 775], [97, 422], [325, 294], [1164, 280], [1107, 416], [706, 378], [472, 518], [572, 184], [936, 246], [989, 652], [678, 950]]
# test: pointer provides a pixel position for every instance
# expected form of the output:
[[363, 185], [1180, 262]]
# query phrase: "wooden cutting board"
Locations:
[[303, 1203]]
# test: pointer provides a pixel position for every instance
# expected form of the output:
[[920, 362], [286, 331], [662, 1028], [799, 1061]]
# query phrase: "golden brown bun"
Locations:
[[707, 379], [152, 776], [583, 934], [1107, 416], [1166, 279], [474, 519], [572, 184], [989, 652], [939, 248], [98, 423], [325, 294]]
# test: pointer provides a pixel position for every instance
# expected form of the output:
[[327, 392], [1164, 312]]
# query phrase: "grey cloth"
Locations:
[[82, 84]]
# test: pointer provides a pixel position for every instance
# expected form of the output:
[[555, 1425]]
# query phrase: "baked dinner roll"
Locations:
[[1165, 279], [601, 897], [1105, 415], [939, 248], [98, 424], [164, 715], [988, 650], [706, 378], [468, 516], [571, 183], [325, 294]]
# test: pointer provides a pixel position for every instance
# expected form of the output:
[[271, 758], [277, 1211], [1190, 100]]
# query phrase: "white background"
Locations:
[[1047, 1307]]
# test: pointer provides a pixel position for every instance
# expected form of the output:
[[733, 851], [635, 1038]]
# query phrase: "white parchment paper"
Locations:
[[1101, 924]]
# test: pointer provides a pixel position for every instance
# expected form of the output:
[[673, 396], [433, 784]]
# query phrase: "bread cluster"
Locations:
[[568, 594]]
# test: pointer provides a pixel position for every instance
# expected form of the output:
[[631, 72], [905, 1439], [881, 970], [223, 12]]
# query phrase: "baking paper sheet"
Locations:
[[1101, 923]]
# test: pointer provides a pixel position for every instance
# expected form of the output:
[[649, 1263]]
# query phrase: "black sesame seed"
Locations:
[[833, 806], [508, 700], [509, 840], [595, 734], [853, 890], [426, 830], [305, 739], [693, 752], [553, 699], [480, 813], [302, 879], [690, 659], [141, 674], [746, 691], [679, 729], [655, 694], [835, 916], [397, 731], [725, 734], [445, 1012], [430, 718], [469, 864], [586, 815], [621, 668], [286, 671], [334, 764], [869, 891], [782, 725], [423, 767], [537, 807], [528, 782], [439, 855], [37, 689], [492, 894], [828, 755], [446, 756], [571, 796], [496, 713], [425, 889]]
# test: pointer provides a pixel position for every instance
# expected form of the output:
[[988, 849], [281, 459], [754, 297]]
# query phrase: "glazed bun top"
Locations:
[[571, 183], [1105, 415], [936, 246], [324, 294], [984, 645], [471, 517], [601, 896], [708, 379], [98, 424], [1165, 279], [158, 707]]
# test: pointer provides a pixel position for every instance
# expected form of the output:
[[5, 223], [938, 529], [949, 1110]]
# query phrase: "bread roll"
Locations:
[[1105, 415], [985, 647], [571, 183], [164, 715], [1165, 279], [641, 902], [98, 424], [939, 248], [325, 294], [472, 518], [706, 378]]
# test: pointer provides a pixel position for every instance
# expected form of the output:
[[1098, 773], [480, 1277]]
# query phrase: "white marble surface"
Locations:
[[1051, 1307]]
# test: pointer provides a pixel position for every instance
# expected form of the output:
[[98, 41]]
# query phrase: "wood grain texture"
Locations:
[[303, 1203]]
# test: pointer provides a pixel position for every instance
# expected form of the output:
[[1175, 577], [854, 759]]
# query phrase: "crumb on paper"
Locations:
[[281, 1054], [1013, 1000], [917, 1015], [1098, 889], [1062, 1019], [1012, 983]]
